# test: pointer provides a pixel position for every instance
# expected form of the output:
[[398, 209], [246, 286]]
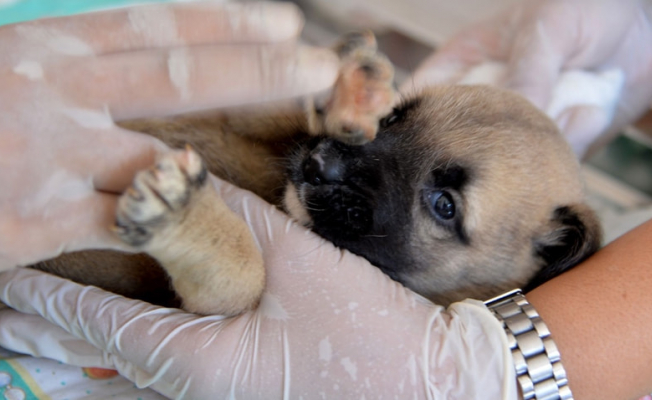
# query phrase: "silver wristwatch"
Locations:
[[536, 358]]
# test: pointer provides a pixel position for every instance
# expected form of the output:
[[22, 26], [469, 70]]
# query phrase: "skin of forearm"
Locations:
[[600, 316]]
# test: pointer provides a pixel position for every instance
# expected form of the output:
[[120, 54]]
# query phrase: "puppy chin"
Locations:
[[294, 206]]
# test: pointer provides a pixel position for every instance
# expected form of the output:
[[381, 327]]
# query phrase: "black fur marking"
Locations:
[[571, 236], [370, 70], [341, 211], [133, 234], [452, 176], [353, 41], [461, 233], [200, 179], [399, 112], [367, 210], [568, 245]]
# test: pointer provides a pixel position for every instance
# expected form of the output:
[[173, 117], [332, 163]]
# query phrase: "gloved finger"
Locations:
[[439, 69], [296, 258], [487, 41], [464, 51], [53, 342], [112, 156], [57, 344], [582, 125], [180, 354], [160, 82], [176, 353], [537, 58], [79, 222], [169, 25], [133, 331], [629, 103]]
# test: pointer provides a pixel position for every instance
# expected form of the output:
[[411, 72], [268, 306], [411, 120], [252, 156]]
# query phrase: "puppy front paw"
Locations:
[[363, 93], [174, 215], [159, 196]]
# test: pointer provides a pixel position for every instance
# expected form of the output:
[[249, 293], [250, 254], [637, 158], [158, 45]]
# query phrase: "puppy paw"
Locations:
[[363, 93], [159, 196], [353, 42]]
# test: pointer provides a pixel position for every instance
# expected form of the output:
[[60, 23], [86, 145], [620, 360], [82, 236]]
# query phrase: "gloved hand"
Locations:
[[64, 81], [538, 40], [329, 325]]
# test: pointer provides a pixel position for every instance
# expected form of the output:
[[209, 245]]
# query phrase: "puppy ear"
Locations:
[[573, 234]]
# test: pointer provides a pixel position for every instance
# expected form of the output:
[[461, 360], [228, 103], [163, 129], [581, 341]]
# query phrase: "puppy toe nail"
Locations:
[[158, 175], [118, 229], [131, 192]]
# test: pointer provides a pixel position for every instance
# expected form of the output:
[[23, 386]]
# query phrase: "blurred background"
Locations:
[[618, 177]]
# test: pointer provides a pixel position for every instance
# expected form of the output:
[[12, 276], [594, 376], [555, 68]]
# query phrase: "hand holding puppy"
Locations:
[[329, 322], [62, 173], [538, 41], [64, 81]]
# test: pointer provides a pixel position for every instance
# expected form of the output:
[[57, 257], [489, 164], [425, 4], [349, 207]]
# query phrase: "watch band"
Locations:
[[536, 358]]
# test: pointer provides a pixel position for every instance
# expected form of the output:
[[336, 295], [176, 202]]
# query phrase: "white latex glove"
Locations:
[[64, 81], [537, 41], [329, 326]]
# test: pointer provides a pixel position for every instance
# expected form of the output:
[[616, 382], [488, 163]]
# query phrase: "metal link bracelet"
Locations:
[[536, 358]]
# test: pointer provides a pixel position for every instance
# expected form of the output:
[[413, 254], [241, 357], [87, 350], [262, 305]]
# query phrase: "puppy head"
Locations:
[[466, 192]]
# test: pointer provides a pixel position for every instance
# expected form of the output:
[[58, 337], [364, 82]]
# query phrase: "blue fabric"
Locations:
[[12, 11]]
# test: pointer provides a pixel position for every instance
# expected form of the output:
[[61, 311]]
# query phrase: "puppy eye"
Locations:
[[442, 204]]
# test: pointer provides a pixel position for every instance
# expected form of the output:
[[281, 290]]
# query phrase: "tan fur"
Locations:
[[212, 259], [515, 148], [207, 252], [523, 170], [192, 228]]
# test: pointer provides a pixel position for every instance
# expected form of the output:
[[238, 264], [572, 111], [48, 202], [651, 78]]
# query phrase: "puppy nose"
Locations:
[[320, 169]]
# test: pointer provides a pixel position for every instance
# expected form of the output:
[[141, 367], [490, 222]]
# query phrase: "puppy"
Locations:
[[455, 192], [465, 192]]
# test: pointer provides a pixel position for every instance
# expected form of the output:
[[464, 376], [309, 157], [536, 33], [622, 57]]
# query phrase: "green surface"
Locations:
[[12, 11], [627, 160]]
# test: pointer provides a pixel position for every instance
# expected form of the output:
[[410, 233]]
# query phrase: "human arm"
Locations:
[[600, 315], [537, 41], [66, 80]]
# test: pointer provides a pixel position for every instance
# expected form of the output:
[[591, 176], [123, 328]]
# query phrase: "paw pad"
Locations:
[[159, 196]]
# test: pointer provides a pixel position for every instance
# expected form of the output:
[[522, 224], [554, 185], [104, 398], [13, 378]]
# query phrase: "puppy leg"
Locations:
[[363, 93], [172, 214]]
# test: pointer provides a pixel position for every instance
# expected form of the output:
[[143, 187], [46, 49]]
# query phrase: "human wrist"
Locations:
[[599, 314]]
